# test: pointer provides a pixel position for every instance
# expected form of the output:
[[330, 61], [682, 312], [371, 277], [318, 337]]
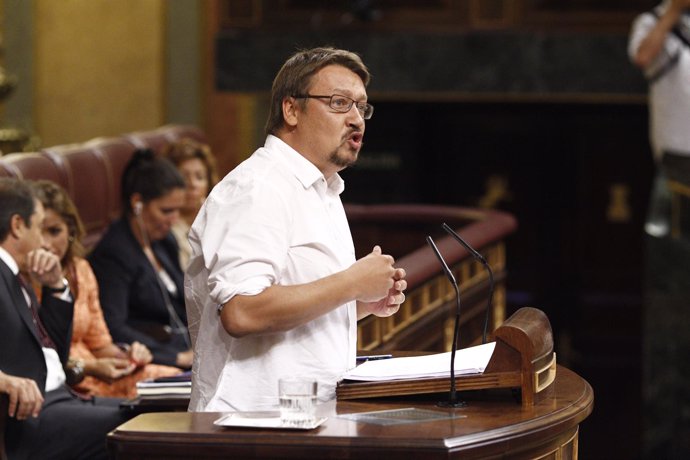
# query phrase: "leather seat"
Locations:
[[159, 138], [31, 165], [91, 171]]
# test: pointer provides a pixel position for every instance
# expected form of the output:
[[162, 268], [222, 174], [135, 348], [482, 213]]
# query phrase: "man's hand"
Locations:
[[373, 276], [390, 304], [45, 267], [26, 399], [382, 284]]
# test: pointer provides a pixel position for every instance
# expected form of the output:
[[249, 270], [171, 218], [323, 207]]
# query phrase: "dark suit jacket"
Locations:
[[18, 333], [22, 354], [131, 296]]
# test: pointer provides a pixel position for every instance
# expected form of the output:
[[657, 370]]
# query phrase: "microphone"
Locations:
[[483, 261], [453, 400]]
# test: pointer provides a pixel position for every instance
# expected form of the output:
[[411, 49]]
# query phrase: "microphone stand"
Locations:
[[486, 266], [453, 397]]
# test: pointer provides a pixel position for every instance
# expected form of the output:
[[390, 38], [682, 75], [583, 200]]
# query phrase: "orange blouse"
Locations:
[[90, 332]]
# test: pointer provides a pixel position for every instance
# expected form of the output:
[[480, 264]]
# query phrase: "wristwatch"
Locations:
[[74, 372], [60, 290]]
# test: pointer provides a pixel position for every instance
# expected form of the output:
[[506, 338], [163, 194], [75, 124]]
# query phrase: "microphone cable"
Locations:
[[176, 326]]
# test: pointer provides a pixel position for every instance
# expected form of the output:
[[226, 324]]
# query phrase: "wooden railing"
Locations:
[[426, 318]]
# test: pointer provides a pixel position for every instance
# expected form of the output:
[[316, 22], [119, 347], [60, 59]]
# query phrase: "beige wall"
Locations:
[[99, 68]]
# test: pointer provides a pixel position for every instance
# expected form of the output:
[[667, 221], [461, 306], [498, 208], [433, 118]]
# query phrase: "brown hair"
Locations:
[[296, 74], [188, 149], [56, 198]]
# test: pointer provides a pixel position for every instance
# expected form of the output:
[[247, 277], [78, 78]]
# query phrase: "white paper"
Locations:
[[471, 360], [152, 384], [262, 420]]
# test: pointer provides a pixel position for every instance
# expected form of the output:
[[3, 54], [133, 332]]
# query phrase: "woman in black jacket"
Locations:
[[137, 265]]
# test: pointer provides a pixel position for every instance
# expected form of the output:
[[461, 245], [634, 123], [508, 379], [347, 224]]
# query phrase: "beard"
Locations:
[[343, 160]]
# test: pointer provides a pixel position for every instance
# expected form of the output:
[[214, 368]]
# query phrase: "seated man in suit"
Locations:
[[46, 420]]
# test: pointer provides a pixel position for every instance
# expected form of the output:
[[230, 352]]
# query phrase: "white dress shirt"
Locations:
[[273, 220]]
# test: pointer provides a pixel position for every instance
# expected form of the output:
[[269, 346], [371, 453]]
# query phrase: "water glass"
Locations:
[[297, 402]]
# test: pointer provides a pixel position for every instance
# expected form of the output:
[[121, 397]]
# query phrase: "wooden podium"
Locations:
[[523, 359], [546, 425], [492, 426]]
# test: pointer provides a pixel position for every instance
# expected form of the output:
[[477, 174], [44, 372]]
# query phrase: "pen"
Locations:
[[373, 357]]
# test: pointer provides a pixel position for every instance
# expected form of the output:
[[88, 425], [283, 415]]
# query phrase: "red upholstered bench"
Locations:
[[91, 171]]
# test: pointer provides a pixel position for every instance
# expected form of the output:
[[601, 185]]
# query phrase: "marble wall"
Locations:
[[510, 62]]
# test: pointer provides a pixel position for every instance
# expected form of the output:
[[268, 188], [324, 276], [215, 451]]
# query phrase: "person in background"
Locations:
[[273, 288], [195, 162], [136, 263], [46, 419], [659, 45], [108, 369]]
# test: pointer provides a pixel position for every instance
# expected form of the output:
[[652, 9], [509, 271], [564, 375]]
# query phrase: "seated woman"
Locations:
[[109, 370], [198, 168], [137, 266]]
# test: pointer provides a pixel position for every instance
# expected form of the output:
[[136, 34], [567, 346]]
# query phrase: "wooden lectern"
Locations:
[[523, 358]]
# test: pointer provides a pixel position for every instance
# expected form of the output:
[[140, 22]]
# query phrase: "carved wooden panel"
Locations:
[[342, 14], [432, 15], [592, 14]]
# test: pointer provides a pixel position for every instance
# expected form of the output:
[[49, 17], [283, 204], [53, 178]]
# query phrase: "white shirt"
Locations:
[[669, 96], [273, 220], [55, 373]]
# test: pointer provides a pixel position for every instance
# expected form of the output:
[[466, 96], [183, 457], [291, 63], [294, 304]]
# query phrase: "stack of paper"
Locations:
[[180, 384], [471, 360]]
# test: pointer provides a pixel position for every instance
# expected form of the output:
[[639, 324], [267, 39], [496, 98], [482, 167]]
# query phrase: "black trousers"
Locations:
[[68, 428], [677, 166]]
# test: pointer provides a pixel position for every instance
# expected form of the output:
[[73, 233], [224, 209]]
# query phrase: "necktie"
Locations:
[[46, 341]]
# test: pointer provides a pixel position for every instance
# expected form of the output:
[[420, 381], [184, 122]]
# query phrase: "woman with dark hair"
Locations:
[[108, 369], [136, 263]]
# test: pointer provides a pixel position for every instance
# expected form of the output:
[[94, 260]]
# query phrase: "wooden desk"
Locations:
[[157, 403], [495, 426]]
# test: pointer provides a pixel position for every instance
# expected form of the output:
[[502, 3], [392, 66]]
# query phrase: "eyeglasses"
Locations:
[[343, 104]]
